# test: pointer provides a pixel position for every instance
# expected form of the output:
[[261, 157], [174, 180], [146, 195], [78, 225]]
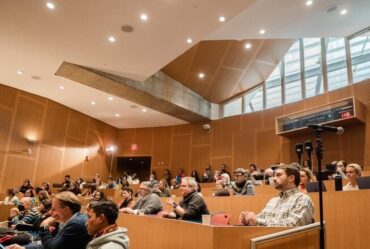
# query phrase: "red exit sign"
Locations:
[[347, 114]]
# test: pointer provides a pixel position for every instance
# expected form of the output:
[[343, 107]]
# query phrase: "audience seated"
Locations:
[[29, 214], [353, 171], [148, 202], [161, 189], [306, 176], [110, 183], [207, 174], [25, 186], [101, 225], [242, 185], [99, 196], [191, 206], [127, 201], [11, 198], [167, 176], [195, 175], [223, 169], [291, 208]]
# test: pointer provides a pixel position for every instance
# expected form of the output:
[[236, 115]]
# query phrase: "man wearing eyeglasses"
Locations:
[[192, 205], [242, 185], [148, 202]]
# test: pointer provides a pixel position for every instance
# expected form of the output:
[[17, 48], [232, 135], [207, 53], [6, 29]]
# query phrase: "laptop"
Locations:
[[314, 187], [363, 182]]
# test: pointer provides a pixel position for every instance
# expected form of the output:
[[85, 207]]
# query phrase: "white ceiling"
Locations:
[[37, 40]]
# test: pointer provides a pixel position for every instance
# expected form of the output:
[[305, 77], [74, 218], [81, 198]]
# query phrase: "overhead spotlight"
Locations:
[[20, 72], [201, 75], [92, 103], [117, 115], [262, 31], [50, 5], [343, 12], [143, 110], [189, 40], [112, 39], [309, 2], [222, 19], [61, 87], [144, 17], [247, 45], [110, 98]]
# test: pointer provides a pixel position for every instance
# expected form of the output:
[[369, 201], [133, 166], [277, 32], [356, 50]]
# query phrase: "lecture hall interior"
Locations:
[[188, 83]]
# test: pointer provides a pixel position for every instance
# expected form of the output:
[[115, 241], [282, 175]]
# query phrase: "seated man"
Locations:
[[192, 205], [242, 185], [102, 226], [30, 215], [291, 208], [73, 234], [148, 202]]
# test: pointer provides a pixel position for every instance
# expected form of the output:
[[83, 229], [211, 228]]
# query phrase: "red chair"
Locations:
[[220, 219]]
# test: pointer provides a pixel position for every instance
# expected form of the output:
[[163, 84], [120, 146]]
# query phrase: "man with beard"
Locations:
[[148, 202], [192, 205], [291, 208], [241, 185]]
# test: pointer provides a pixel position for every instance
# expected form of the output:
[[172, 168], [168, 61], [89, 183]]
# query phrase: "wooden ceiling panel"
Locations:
[[198, 85], [238, 56], [224, 83], [208, 57], [272, 51]]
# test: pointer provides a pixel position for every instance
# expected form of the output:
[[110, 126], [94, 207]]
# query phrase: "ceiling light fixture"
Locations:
[[93, 103], [144, 17], [110, 98], [222, 19], [262, 31], [143, 110], [61, 87], [189, 40], [117, 115], [20, 72], [50, 5], [112, 39], [309, 2], [343, 12], [248, 45], [201, 75]]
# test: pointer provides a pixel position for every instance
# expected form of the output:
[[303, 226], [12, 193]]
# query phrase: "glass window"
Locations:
[[360, 57], [336, 63], [273, 88], [253, 100], [292, 74], [312, 67], [232, 108]]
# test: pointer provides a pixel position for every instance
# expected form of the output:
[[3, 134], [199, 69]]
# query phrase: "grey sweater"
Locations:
[[113, 240]]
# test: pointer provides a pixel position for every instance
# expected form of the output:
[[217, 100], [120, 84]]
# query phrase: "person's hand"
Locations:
[[248, 218], [48, 222], [127, 210], [242, 218], [170, 202], [15, 246]]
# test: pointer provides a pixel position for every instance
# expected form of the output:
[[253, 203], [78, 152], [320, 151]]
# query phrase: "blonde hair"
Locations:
[[356, 167]]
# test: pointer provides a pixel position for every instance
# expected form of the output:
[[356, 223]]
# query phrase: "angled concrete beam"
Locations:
[[159, 92]]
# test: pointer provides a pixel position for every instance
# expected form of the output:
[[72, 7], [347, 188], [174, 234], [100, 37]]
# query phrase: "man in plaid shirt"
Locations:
[[291, 208]]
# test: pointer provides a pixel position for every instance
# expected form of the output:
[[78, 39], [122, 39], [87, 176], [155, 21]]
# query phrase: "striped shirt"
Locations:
[[291, 208]]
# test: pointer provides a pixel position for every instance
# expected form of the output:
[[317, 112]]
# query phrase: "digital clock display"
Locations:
[[346, 114]]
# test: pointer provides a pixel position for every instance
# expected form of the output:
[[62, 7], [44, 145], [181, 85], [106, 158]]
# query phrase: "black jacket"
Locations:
[[194, 206]]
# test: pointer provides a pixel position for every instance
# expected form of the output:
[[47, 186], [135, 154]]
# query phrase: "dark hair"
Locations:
[[47, 204], [69, 199], [108, 208], [129, 190], [291, 171], [10, 191], [102, 196]]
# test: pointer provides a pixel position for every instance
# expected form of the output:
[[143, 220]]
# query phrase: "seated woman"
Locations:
[[306, 176], [99, 196], [11, 198], [163, 187], [353, 171], [25, 186], [127, 201]]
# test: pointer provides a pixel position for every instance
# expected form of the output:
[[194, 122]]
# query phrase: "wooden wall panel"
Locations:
[[78, 123], [252, 121], [97, 161], [339, 94], [244, 149], [27, 126], [361, 91], [74, 157], [231, 124], [7, 96], [293, 107], [55, 127], [269, 116], [200, 158], [316, 101], [181, 129], [222, 145], [125, 138], [161, 147], [367, 142], [49, 165], [353, 140], [199, 135], [216, 164], [5, 125], [268, 148], [144, 139], [180, 154], [17, 169]]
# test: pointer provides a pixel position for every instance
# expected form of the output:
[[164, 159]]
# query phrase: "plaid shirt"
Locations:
[[291, 208]]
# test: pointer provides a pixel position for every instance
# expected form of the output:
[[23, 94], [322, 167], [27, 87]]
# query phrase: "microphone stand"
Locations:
[[319, 155]]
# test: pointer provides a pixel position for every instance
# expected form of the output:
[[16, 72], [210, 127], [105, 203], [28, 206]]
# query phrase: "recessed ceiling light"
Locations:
[[309, 2], [20, 72], [112, 39], [189, 40], [343, 12], [222, 19], [144, 17], [262, 31], [248, 45], [143, 110], [201, 75], [93, 103], [110, 98], [50, 5], [117, 115], [61, 87]]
